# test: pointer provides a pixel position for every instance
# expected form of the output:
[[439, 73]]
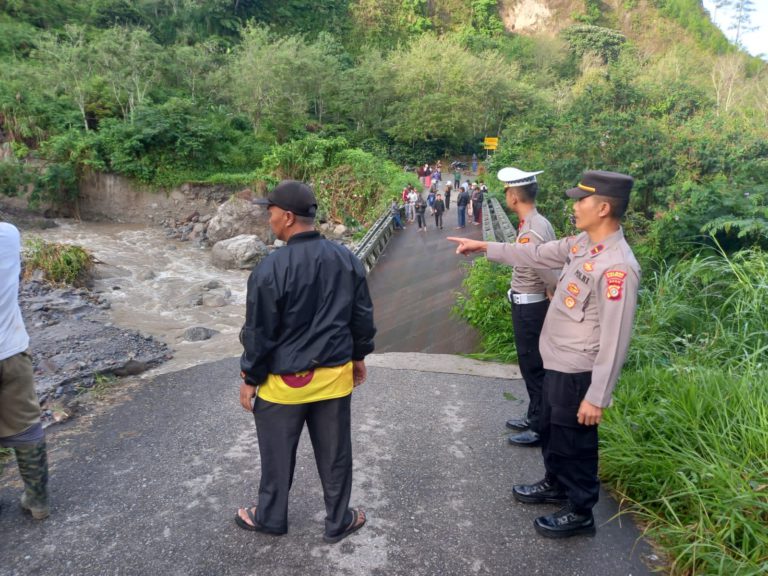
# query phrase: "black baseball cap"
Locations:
[[291, 196], [602, 183]]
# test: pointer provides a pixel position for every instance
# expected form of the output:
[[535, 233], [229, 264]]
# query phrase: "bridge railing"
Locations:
[[496, 224], [375, 241]]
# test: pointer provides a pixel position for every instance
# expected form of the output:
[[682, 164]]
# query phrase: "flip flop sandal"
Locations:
[[354, 526], [255, 526]]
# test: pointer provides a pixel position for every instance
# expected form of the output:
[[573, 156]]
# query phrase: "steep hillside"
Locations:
[[654, 25]]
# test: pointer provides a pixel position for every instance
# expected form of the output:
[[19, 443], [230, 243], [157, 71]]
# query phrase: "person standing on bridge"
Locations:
[[584, 343], [20, 426], [477, 205], [308, 327], [413, 196], [448, 190], [395, 211], [438, 210], [421, 214], [527, 295], [461, 208]]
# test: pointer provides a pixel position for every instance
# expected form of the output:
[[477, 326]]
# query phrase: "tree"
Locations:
[[129, 59], [280, 82], [741, 22], [726, 70], [70, 60], [193, 65], [443, 91]]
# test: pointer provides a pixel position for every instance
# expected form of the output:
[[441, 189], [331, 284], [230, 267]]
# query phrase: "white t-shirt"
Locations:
[[13, 335]]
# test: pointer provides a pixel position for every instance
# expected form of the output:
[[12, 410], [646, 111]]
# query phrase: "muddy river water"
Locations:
[[156, 285]]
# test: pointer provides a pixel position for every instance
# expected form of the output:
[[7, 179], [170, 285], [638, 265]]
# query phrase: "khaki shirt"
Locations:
[[534, 229], [589, 322]]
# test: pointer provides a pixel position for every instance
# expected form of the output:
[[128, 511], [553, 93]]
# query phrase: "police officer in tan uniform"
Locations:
[[583, 344], [527, 295]]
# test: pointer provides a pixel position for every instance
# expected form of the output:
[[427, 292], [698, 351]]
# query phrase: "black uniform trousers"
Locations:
[[528, 320], [569, 448], [278, 427]]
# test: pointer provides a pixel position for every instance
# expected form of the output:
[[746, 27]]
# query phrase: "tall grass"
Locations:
[[60, 263], [689, 449], [687, 440], [709, 310]]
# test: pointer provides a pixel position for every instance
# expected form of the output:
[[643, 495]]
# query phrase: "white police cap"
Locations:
[[516, 177]]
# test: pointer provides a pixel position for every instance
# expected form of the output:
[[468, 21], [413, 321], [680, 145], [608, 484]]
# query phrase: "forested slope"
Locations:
[[240, 91]]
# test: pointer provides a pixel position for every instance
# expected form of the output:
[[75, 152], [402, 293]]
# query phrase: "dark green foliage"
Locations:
[[223, 19], [593, 12], [588, 38], [175, 139], [43, 13], [12, 177], [17, 38], [57, 184]]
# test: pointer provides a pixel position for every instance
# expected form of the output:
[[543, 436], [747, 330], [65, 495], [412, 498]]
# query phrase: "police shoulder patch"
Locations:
[[615, 276], [615, 279]]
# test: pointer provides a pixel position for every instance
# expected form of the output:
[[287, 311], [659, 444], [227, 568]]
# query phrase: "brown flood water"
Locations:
[[159, 306]]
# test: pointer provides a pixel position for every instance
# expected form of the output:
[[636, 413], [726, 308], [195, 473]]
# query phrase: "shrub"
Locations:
[[60, 263], [483, 304], [12, 177]]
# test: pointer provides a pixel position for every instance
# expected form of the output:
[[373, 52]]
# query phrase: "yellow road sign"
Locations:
[[490, 143]]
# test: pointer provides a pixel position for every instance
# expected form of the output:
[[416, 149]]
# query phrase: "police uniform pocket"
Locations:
[[571, 298]]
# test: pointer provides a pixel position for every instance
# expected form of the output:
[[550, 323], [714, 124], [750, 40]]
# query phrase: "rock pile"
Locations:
[[73, 342], [239, 232]]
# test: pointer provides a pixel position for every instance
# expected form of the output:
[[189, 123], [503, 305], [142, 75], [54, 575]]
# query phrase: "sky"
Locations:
[[755, 42]]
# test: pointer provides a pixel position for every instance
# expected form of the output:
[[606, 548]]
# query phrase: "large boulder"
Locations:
[[243, 251], [237, 216]]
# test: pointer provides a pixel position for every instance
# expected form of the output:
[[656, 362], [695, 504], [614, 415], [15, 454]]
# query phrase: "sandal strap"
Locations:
[[252, 516]]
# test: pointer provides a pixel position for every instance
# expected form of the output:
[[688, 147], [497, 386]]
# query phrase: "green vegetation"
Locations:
[[482, 306], [60, 263], [343, 93]]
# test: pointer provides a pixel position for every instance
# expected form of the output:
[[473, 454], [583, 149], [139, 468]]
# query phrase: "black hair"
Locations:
[[527, 192], [618, 205]]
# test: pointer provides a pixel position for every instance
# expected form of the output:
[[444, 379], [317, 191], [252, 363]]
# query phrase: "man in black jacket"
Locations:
[[461, 205], [308, 327]]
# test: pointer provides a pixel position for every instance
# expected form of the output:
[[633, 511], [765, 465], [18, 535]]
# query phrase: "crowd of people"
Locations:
[[412, 206]]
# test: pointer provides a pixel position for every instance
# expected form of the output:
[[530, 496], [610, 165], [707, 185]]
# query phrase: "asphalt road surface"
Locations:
[[149, 480]]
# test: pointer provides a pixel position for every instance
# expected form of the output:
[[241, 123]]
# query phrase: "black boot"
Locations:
[[529, 438], [565, 523], [33, 468], [543, 492]]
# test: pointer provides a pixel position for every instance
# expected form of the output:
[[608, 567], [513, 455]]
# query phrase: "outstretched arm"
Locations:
[[467, 245]]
